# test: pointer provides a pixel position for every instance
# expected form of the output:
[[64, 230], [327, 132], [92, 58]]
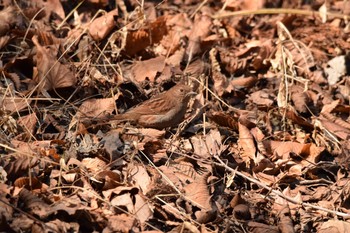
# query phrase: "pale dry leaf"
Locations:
[[333, 128], [246, 143], [14, 104], [335, 226], [207, 146], [336, 69], [28, 122], [103, 25], [94, 165], [141, 178], [148, 69], [262, 98], [96, 108], [328, 108], [337, 120], [323, 12], [120, 222], [283, 149]]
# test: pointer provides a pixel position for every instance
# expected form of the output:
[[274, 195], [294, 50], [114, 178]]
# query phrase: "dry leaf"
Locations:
[[51, 73], [103, 25]]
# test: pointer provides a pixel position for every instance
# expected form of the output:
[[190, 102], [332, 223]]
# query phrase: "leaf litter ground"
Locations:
[[263, 147]]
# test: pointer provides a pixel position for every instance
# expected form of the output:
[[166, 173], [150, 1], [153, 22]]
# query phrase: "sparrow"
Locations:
[[163, 110]]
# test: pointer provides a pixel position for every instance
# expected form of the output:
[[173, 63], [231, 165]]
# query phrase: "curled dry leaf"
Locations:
[[246, 142], [241, 212], [3, 41], [103, 25], [133, 202], [94, 165], [54, 7], [243, 82], [51, 73], [257, 227], [137, 41], [294, 116], [221, 84], [198, 195]]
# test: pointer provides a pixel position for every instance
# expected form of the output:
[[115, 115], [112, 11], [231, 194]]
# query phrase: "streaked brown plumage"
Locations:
[[164, 110]]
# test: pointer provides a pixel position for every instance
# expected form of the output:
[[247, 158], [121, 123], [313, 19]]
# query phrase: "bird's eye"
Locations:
[[181, 90]]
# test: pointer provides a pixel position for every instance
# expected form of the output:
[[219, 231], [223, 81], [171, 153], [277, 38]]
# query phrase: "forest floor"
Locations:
[[263, 147]]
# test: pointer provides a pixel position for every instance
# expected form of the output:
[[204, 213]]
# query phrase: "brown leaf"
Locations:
[[198, 194], [148, 69], [200, 30], [334, 226], [7, 19], [299, 98], [14, 104], [28, 182], [51, 73], [243, 82], [33, 203], [103, 25], [246, 142], [223, 119], [120, 223], [141, 39], [96, 108], [294, 116], [28, 123], [262, 98]]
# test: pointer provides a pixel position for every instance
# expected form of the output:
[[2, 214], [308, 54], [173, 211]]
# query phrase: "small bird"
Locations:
[[164, 110]]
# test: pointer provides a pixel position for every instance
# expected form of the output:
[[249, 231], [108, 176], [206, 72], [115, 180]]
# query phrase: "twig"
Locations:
[[272, 11]]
